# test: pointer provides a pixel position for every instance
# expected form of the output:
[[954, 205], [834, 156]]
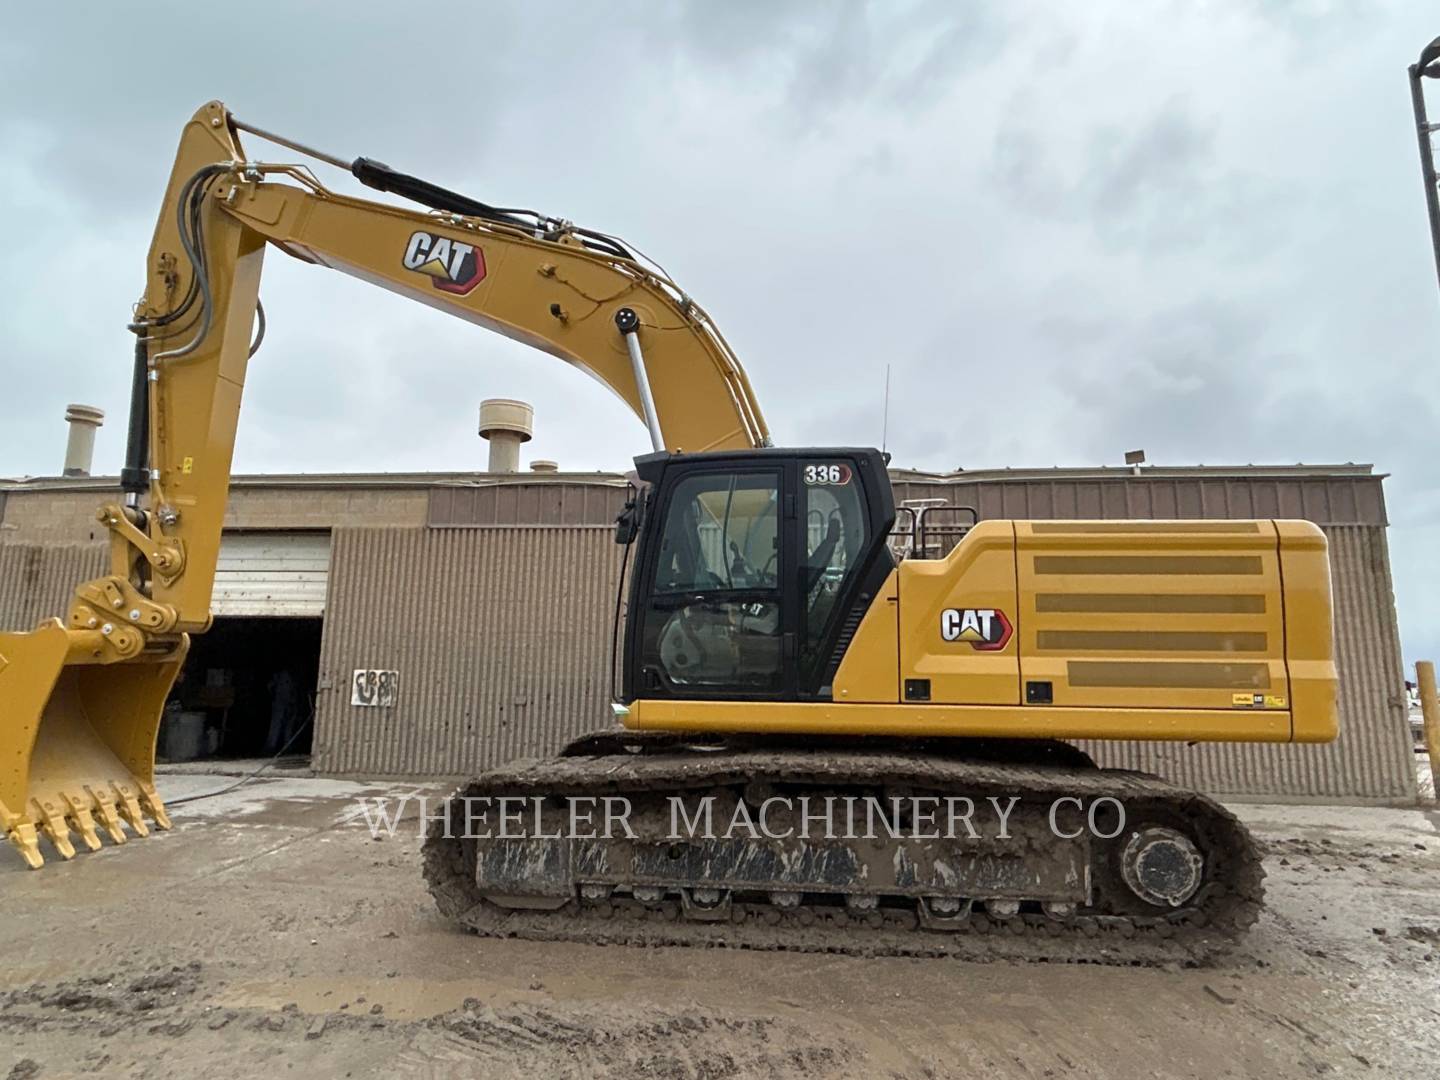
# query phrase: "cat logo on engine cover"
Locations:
[[453, 266], [986, 629]]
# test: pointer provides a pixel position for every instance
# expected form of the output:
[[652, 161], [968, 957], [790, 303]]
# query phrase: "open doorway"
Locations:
[[247, 691]]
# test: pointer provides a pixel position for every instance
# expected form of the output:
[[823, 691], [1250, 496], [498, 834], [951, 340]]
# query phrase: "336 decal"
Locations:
[[832, 475]]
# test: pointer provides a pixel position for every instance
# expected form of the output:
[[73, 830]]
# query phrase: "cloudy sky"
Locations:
[[1070, 229]]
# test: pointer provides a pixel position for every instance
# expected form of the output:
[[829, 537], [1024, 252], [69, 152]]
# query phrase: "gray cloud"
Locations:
[[1159, 184], [819, 62]]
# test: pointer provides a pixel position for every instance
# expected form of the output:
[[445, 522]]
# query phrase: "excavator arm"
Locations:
[[82, 699], [550, 287]]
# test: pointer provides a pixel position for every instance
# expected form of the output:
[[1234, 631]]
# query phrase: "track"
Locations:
[[1111, 924]]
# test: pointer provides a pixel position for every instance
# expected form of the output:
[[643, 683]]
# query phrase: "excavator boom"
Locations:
[[81, 700]]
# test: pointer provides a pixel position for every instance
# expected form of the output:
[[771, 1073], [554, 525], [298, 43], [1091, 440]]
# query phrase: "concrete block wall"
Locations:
[[67, 515]]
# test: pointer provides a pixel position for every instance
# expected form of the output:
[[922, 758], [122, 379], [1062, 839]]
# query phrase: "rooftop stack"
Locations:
[[80, 447], [506, 423]]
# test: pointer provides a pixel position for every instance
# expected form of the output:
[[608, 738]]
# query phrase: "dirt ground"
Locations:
[[269, 935]]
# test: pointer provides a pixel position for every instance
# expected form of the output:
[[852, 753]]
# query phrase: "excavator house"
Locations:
[[774, 646]]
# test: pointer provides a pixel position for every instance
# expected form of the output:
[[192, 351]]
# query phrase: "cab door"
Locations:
[[841, 560], [715, 618]]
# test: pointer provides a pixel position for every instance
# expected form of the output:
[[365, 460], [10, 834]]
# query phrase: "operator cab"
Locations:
[[752, 571]]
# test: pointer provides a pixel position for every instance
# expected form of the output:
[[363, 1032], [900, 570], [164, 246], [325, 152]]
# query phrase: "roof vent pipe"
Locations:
[[80, 447], [506, 423], [543, 465]]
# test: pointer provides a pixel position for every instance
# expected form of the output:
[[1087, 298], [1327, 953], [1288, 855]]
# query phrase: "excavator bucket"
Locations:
[[77, 741]]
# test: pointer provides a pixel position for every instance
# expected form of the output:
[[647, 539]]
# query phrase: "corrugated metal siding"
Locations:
[[553, 502], [1339, 500], [1324, 500], [1372, 670], [37, 581], [1342, 500], [501, 638], [271, 574]]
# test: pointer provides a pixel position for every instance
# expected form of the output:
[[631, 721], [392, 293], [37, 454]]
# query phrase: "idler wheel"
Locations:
[[1162, 866]]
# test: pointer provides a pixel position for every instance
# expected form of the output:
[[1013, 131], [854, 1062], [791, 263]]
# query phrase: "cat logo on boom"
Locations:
[[452, 265], [986, 629]]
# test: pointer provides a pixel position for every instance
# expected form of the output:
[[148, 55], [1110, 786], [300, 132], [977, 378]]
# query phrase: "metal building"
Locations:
[[452, 621]]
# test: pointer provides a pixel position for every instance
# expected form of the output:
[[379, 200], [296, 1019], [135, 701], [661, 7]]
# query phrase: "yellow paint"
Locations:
[[837, 718], [1151, 564], [1429, 713], [1139, 656], [978, 573], [870, 670], [1309, 642], [77, 746]]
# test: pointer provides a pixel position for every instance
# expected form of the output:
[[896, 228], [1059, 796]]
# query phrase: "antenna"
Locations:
[[885, 423]]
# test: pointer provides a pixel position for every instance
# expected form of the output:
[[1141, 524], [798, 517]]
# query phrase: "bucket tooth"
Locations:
[[21, 833], [150, 801], [128, 808], [52, 824], [79, 815], [105, 811]]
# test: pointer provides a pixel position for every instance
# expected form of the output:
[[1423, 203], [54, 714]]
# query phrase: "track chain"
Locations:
[[1225, 907]]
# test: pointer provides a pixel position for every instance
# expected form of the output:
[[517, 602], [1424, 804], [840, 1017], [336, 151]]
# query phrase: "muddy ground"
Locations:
[[269, 935]]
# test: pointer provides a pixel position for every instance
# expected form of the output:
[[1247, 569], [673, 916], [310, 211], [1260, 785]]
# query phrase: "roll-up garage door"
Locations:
[[272, 573]]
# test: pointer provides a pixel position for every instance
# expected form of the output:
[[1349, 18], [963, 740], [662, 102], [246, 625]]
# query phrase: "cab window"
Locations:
[[713, 623], [834, 543]]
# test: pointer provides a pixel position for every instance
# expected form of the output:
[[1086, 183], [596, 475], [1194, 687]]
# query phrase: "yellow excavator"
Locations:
[[777, 656]]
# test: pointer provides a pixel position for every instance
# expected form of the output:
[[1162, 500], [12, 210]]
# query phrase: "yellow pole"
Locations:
[[1430, 710]]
